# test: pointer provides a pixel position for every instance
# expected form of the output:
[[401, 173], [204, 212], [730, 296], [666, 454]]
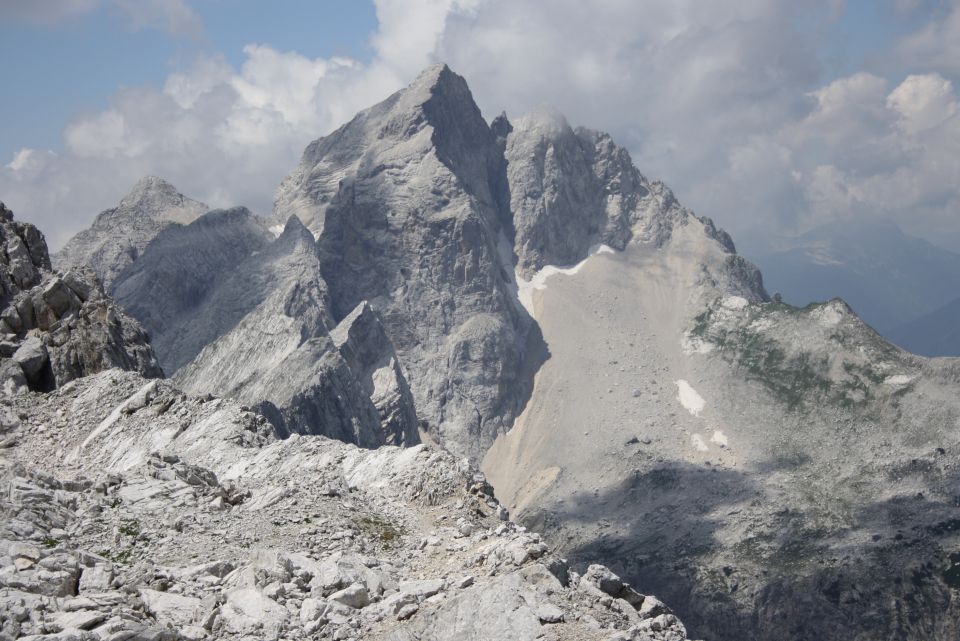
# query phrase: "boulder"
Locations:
[[354, 596], [60, 298], [248, 612], [173, 609], [31, 357]]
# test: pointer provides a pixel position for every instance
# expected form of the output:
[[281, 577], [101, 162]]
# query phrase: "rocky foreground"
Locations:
[[169, 516]]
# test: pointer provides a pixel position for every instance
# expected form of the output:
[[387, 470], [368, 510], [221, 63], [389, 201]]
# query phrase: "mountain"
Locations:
[[888, 277], [933, 334], [630, 389], [424, 210], [57, 327], [407, 201], [118, 235]]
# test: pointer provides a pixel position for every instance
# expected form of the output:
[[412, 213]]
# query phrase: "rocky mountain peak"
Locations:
[[156, 198], [501, 127], [296, 233], [435, 80], [119, 235]]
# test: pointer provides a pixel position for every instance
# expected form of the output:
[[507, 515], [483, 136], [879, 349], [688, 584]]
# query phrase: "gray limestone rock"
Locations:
[[31, 356], [119, 235], [233, 311], [368, 351], [282, 558], [409, 202], [59, 328], [174, 287], [569, 190]]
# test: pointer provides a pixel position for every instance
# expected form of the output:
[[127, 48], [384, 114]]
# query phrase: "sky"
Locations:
[[769, 116]]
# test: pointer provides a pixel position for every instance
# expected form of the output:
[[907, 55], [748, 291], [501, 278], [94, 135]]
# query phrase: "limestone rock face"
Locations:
[[568, 190], [235, 312], [409, 202], [365, 346], [119, 235], [58, 326]]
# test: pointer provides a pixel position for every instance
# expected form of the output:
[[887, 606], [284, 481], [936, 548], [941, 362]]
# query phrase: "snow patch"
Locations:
[[689, 397], [276, 230], [898, 379], [719, 438], [538, 282], [698, 443], [735, 302]]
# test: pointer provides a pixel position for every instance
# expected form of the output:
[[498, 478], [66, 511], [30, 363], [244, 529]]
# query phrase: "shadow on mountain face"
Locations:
[[735, 562], [170, 287], [656, 525]]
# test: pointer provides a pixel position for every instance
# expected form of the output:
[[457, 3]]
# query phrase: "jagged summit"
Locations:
[[153, 197], [435, 82], [436, 112], [157, 198], [120, 234], [294, 231]]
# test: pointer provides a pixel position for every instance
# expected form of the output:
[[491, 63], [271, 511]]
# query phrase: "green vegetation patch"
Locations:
[[794, 379], [386, 532]]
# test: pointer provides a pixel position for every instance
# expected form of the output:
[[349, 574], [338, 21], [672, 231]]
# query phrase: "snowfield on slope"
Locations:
[[689, 398], [538, 282]]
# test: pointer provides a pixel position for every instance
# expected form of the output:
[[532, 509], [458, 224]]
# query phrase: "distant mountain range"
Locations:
[[933, 334], [901, 285]]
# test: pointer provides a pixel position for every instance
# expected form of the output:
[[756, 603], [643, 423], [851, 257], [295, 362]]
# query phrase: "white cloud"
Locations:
[[868, 150], [923, 102]]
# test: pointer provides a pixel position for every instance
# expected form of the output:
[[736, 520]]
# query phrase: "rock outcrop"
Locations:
[[173, 517], [368, 351], [119, 235], [58, 326], [169, 289]]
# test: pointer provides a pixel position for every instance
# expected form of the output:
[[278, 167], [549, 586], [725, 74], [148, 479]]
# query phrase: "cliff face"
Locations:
[[236, 312]]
